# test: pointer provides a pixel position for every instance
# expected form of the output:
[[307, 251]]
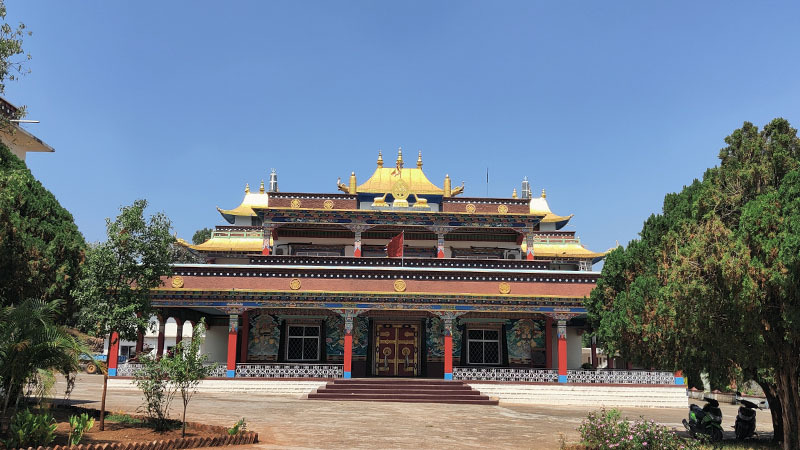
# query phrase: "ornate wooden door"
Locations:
[[396, 349]]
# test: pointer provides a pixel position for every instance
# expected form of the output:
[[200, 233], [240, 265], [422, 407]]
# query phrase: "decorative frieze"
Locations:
[[505, 374], [289, 371], [605, 376]]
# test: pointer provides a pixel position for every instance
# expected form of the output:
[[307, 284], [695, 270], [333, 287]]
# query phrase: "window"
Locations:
[[302, 343], [483, 346]]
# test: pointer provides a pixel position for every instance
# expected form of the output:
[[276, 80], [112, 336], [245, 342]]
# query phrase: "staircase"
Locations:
[[401, 390]]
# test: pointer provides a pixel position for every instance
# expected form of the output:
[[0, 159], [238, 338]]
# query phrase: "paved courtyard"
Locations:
[[300, 424]]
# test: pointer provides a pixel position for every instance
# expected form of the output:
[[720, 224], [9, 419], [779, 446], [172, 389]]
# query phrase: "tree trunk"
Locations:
[[775, 409], [786, 382], [103, 402], [183, 432]]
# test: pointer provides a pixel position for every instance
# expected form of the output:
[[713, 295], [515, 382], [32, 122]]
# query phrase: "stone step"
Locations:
[[412, 400], [328, 390], [418, 387], [399, 396]]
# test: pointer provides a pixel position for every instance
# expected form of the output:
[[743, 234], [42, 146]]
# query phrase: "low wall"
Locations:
[[277, 387], [640, 396]]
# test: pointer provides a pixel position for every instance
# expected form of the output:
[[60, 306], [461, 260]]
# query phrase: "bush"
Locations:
[[606, 430], [78, 425], [238, 427], [30, 430], [153, 380]]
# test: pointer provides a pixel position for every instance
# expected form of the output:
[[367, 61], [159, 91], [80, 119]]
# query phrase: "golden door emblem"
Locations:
[[400, 190], [470, 208], [295, 203], [294, 284], [177, 282]]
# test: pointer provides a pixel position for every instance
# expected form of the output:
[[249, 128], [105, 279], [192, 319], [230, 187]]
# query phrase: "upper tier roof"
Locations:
[[539, 206], [251, 199]]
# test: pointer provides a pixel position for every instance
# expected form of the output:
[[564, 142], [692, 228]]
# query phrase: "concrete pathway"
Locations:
[[305, 424]]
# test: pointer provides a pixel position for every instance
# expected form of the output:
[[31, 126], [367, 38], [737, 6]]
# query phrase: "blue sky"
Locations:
[[607, 105]]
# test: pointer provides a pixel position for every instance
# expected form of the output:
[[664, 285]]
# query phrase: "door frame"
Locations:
[[373, 341]]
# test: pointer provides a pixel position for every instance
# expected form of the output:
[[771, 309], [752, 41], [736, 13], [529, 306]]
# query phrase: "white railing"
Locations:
[[505, 374], [288, 370], [610, 376], [130, 369]]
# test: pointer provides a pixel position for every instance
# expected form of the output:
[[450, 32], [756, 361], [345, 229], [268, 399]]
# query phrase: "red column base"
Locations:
[[113, 353], [348, 355]]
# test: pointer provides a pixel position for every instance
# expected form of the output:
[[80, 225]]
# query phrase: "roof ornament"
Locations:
[[514, 193], [273, 181], [380, 159], [247, 188], [544, 195], [353, 185], [399, 163], [447, 186], [526, 188], [419, 160], [261, 189]]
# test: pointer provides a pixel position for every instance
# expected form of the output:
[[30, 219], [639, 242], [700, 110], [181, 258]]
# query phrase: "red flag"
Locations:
[[395, 247]]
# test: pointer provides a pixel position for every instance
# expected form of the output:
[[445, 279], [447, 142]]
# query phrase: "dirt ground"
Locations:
[[305, 424]]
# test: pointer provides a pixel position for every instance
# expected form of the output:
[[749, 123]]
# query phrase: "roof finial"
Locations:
[[261, 189], [380, 159], [419, 160], [399, 157], [514, 193], [247, 188], [273, 181], [544, 194]]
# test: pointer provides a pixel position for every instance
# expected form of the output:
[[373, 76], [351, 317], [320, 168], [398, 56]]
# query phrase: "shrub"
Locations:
[[606, 430], [153, 380], [238, 427], [30, 430], [78, 425]]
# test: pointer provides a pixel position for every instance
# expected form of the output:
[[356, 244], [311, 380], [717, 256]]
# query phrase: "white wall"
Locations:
[[216, 344], [573, 348]]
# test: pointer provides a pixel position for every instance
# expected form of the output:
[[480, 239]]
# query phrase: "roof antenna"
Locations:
[[273, 181]]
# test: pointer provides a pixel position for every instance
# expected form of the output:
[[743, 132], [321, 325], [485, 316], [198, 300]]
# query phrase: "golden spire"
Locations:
[[353, 183], [261, 189], [544, 195], [419, 160], [447, 185], [399, 157], [514, 194], [380, 159], [247, 188]]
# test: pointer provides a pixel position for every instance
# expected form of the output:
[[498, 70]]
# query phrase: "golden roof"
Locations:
[[258, 199], [566, 250], [540, 207], [386, 179], [249, 241]]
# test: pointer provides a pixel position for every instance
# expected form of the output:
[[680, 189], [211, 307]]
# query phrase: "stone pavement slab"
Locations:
[[307, 424]]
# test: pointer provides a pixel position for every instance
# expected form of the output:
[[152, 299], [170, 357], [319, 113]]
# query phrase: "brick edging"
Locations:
[[224, 439]]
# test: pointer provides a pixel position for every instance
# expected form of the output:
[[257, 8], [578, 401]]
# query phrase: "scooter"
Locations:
[[745, 420], [706, 420]]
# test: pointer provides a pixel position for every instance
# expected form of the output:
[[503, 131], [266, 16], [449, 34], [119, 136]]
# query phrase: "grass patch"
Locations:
[[124, 419]]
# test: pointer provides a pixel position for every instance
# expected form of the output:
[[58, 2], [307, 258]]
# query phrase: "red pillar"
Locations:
[[160, 346], [233, 332], [113, 353], [448, 356], [267, 235], [679, 378], [529, 245], [548, 342], [357, 245], [245, 337], [348, 354], [562, 351], [179, 331]]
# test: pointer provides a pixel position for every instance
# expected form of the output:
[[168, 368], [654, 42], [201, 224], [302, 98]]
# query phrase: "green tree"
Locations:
[[712, 283], [41, 248], [201, 236], [114, 291], [153, 380], [12, 65], [32, 348], [186, 368]]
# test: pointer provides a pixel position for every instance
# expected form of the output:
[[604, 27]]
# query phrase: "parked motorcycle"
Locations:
[[706, 420], [745, 420]]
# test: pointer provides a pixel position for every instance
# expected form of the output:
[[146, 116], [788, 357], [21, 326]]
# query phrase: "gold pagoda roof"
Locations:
[[387, 180], [258, 199], [251, 241], [540, 207]]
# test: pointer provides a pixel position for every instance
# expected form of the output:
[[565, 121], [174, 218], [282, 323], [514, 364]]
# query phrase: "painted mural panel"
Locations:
[[263, 338], [523, 337], [434, 332], [334, 336]]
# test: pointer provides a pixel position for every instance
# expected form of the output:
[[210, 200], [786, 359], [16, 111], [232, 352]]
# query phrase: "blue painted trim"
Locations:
[[348, 375], [448, 376], [230, 373], [112, 372], [562, 378], [679, 380]]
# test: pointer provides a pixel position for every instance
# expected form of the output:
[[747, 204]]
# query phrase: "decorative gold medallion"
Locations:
[[470, 208], [502, 209], [399, 285], [294, 284], [328, 204], [400, 190], [177, 282], [295, 203], [504, 288]]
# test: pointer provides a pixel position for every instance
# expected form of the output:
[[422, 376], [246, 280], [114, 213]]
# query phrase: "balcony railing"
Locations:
[[502, 264]]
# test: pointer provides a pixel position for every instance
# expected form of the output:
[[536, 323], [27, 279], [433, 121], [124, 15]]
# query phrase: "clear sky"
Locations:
[[607, 105]]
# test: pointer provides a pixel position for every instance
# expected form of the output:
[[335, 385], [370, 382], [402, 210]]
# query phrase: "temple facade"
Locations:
[[392, 277]]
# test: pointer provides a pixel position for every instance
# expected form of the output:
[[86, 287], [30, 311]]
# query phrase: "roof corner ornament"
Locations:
[[514, 193], [342, 187], [446, 189], [544, 194], [247, 188], [261, 189], [457, 190], [419, 160], [353, 185], [380, 159]]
